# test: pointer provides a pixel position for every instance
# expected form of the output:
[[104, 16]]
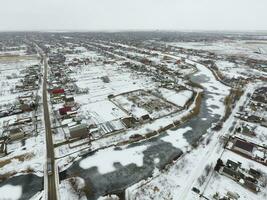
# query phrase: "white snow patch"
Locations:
[[176, 138], [10, 192], [104, 159]]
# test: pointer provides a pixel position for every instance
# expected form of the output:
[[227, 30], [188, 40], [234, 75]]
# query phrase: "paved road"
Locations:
[[51, 181]]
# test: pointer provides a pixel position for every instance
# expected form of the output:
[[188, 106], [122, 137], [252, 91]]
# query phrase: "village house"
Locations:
[[129, 121], [21, 120], [57, 92], [27, 105], [256, 174], [245, 130], [15, 134], [234, 171], [79, 131], [64, 110], [243, 147], [69, 101], [231, 170]]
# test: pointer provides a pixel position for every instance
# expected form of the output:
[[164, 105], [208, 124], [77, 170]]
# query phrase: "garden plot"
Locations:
[[105, 115], [179, 98], [252, 132], [24, 157], [103, 111], [93, 56], [232, 70], [141, 103], [117, 80]]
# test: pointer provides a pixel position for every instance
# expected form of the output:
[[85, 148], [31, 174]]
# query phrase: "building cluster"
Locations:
[[250, 143], [248, 149], [62, 89], [31, 79], [248, 178], [23, 109]]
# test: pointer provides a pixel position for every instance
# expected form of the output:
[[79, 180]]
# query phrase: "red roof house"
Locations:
[[58, 91], [64, 110]]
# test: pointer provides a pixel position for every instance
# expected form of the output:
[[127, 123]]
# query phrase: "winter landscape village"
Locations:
[[133, 116]]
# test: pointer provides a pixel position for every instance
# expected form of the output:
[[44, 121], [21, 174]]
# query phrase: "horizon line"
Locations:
[[136, 30]]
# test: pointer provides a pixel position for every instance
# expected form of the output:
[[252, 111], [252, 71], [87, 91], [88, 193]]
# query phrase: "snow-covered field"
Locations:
[[124, 156], [244, 48], [179, 98]]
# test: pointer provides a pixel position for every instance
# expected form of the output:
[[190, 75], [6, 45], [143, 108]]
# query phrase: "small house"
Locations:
[[69, 101], [27, 106], [233, 165]]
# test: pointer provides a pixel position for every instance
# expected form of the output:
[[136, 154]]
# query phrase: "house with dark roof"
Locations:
[[252, 186], [233, 165], [256, 174], [243, 147], [230, 173]]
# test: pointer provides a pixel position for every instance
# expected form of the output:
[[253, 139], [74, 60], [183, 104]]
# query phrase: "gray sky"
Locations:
[[133, 14]]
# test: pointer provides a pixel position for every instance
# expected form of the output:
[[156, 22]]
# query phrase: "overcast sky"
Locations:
[[133, 15]]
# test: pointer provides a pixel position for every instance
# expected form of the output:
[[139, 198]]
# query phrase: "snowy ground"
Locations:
[[27, 156], [179, 98], [177, 180], [244, 48]]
